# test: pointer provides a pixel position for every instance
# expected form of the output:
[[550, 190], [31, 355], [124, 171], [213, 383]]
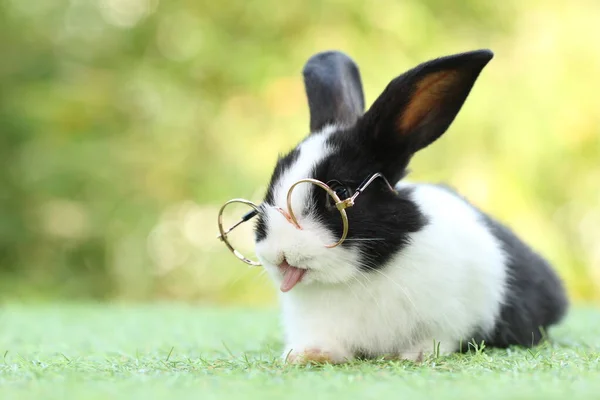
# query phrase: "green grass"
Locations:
[[179, 352]]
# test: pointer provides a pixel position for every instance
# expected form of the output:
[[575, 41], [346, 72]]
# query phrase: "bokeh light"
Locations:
[[127, 123]]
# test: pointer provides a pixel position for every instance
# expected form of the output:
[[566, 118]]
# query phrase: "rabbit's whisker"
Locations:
[[402, 288], [366, 287], [364, 239]]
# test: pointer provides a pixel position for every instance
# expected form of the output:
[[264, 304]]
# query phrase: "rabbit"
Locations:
[[422, 270]]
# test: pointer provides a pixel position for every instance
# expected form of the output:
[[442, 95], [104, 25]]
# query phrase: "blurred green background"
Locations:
[[125, 124]]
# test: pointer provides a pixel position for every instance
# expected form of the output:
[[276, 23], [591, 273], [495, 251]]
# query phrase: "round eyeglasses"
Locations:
[[242, 246]]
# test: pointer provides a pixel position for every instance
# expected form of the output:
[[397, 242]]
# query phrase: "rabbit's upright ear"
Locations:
[[333, 89], [417, 107]]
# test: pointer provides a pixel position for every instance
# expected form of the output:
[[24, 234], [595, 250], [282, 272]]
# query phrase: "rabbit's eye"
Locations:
[[342, 191]]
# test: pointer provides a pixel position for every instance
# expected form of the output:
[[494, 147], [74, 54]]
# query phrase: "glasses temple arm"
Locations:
[[249, 215], [368, 181], [245, 218]]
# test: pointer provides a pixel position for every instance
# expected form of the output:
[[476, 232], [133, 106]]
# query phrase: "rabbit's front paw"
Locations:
[[315, 355]]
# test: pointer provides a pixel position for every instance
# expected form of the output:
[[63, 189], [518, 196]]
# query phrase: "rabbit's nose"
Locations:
[[288, 217]]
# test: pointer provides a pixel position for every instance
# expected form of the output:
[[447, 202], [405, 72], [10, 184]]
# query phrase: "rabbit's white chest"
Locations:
[[361, 319]]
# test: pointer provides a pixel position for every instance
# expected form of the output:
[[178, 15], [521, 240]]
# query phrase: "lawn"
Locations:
[[180, 351]]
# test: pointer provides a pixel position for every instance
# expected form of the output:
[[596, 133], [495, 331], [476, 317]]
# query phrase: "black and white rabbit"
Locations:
[[420, 264]]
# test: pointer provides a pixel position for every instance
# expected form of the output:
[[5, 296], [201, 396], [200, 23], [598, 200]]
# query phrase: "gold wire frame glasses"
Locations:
[[341, 206]]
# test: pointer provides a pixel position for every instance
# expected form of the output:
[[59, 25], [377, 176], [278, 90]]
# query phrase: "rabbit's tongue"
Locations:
[[291, 276]]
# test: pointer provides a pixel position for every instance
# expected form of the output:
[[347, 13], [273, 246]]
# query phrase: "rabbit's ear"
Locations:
[[417, 107], [333, 89]]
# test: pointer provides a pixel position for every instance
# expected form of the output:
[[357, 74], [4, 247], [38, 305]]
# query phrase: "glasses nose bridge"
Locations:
[[288, 217]]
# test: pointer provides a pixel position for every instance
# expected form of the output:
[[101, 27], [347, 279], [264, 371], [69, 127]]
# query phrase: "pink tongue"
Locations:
[[291, 276]]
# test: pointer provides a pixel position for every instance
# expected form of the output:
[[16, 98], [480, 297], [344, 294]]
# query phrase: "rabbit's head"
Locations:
[[347, 146]]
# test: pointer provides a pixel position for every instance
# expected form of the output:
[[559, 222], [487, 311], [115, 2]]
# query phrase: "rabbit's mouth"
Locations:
[[291, 276]]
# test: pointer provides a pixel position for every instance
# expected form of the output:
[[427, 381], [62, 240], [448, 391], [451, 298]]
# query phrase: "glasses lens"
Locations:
[[333, 216], [241, 238]]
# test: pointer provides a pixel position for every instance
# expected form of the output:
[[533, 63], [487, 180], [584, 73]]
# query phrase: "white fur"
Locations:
[[312, 150], [303, 248], [449, 282]]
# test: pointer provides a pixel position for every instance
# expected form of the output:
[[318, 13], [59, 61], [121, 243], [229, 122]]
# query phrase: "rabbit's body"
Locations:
[[437, 290], [421, 266], [448, 284]]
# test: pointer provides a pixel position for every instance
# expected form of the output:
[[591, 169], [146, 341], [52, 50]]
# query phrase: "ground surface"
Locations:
[[181, 352]]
